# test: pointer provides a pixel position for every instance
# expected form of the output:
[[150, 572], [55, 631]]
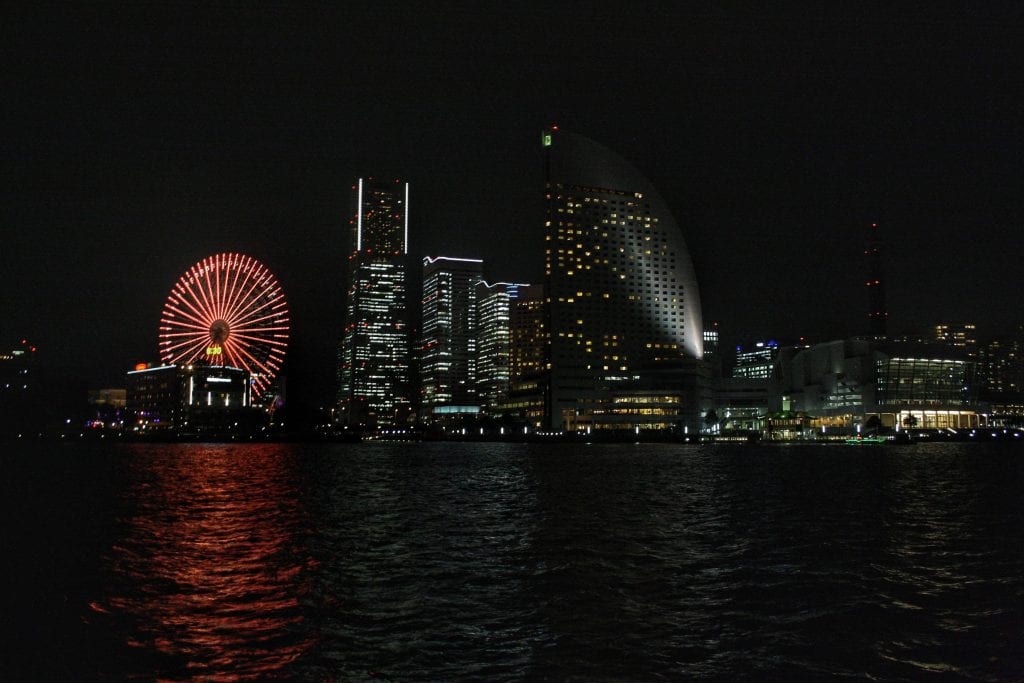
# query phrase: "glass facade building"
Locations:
[[373, 364], [494, 306], [916, 384], [448, 348]]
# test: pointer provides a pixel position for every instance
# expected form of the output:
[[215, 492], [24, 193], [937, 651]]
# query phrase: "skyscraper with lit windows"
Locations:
[[529, 376], [373, 368], [448, 348], [623, 305], [494, 305]]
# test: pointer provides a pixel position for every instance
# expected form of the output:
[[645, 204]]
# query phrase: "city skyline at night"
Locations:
[[512, 341], [142, 142]]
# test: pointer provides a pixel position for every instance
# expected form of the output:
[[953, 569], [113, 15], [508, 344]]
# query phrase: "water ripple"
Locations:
[[511, 562]]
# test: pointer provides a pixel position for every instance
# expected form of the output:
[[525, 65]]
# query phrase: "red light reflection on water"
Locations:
[[208, 571]]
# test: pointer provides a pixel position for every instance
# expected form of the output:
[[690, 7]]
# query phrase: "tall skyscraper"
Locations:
[[373, 372], [494, 336], [622, 294], [449, 335], [878, 316]]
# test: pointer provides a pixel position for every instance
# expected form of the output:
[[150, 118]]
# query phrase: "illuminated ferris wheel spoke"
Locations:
[[227, 308], [234, 286], [194, 289], [197, 302], [272, 342], [166, 325], [220, 290], [187, 321], [249, 281], [222, 282], [187, 355], [207, 287], [254, 310], [260, 375], [229, 352], [182, 299], [243, 301], [172, 345], [173, 314], [244, 351], [191, 334], [260, 329], [248, 321], [262, 332]]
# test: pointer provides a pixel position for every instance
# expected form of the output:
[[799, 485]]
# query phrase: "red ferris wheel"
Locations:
[[228, 309]]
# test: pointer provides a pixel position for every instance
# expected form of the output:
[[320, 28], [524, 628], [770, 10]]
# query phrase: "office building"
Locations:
[[448, 347], [494, 304], [528, 330], [713, 355], [528, 364], [1001, 376], [957, 335], [756, 361], [1001, 365], [373, 372]]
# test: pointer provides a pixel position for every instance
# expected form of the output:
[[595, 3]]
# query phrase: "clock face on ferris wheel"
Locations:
[[228, 309]]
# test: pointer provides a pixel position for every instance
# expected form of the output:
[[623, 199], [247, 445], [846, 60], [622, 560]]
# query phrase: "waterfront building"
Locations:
[[741, 403], [494, 303], [841, 384], [373, 367], [448, 346], [184, 400], [921, 390], [622, 296]]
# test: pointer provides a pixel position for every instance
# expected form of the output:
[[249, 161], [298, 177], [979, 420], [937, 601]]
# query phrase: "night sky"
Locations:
[[138, 140]]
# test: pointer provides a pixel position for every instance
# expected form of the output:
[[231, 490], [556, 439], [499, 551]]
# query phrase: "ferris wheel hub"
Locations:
[[220, 330]]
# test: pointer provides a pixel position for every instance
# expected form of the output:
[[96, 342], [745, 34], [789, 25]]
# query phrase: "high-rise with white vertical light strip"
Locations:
[[373, 365]]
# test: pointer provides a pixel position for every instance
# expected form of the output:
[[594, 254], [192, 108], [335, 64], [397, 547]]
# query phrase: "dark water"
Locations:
[[506, 561]]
